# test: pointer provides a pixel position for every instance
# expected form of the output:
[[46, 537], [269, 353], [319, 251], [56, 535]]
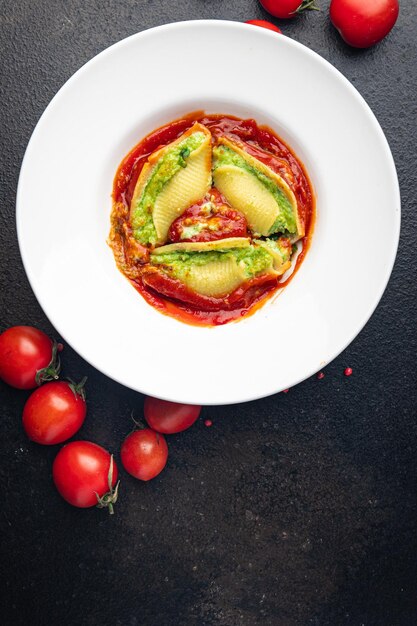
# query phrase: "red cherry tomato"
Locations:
[[288, 8], [144, 453], [362, 24], [170, 417], [27, 357], [264, 24], [54, 412], [85, 475]]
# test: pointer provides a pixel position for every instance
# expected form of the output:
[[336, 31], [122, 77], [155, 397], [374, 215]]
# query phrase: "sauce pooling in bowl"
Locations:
[[209, 214]]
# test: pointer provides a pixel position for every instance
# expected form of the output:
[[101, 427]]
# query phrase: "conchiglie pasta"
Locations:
[[214, 272], [204, 246], [216, 278], [245, 193], [185, 187], [280, 251], [253, 188], [174, 177]]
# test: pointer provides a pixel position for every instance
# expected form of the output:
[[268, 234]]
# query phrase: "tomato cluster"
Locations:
[[360, 23], [84, 473]]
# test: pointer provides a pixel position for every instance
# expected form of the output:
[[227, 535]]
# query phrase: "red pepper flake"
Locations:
[[60, 347], [320, 375], [208, 423], [285, 390], [348, 371]]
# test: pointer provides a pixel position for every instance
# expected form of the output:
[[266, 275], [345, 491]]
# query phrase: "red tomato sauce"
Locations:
[[216, 222], [170, 296]]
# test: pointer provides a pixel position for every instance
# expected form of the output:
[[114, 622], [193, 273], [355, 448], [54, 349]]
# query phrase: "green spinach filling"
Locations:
[[252, 260]]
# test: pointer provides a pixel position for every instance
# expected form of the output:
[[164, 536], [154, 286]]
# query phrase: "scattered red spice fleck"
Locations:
[[320, 375], [285, 390], [60, 347], [208, 423], [348, 371]]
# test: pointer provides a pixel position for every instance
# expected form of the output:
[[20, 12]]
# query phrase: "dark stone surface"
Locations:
[[297, 509]]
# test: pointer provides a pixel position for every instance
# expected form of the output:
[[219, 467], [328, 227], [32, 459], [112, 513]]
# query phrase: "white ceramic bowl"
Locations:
[[64, 203]]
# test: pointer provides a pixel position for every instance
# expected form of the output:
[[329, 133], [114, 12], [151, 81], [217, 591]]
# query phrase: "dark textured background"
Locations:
[[294, 510]]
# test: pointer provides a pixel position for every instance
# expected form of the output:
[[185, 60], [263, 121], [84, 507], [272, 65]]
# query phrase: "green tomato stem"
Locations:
[[307, 5], [109, 499], [52, 370]]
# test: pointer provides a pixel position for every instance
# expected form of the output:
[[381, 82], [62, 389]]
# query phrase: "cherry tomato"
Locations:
[[288, 8], [362, 24], [27, 357], [170, 417], [54, 412], [144, 453], [264, 24], [85, 475]]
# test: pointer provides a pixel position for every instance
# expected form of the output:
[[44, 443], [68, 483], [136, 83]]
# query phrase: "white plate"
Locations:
[[63, 208]]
